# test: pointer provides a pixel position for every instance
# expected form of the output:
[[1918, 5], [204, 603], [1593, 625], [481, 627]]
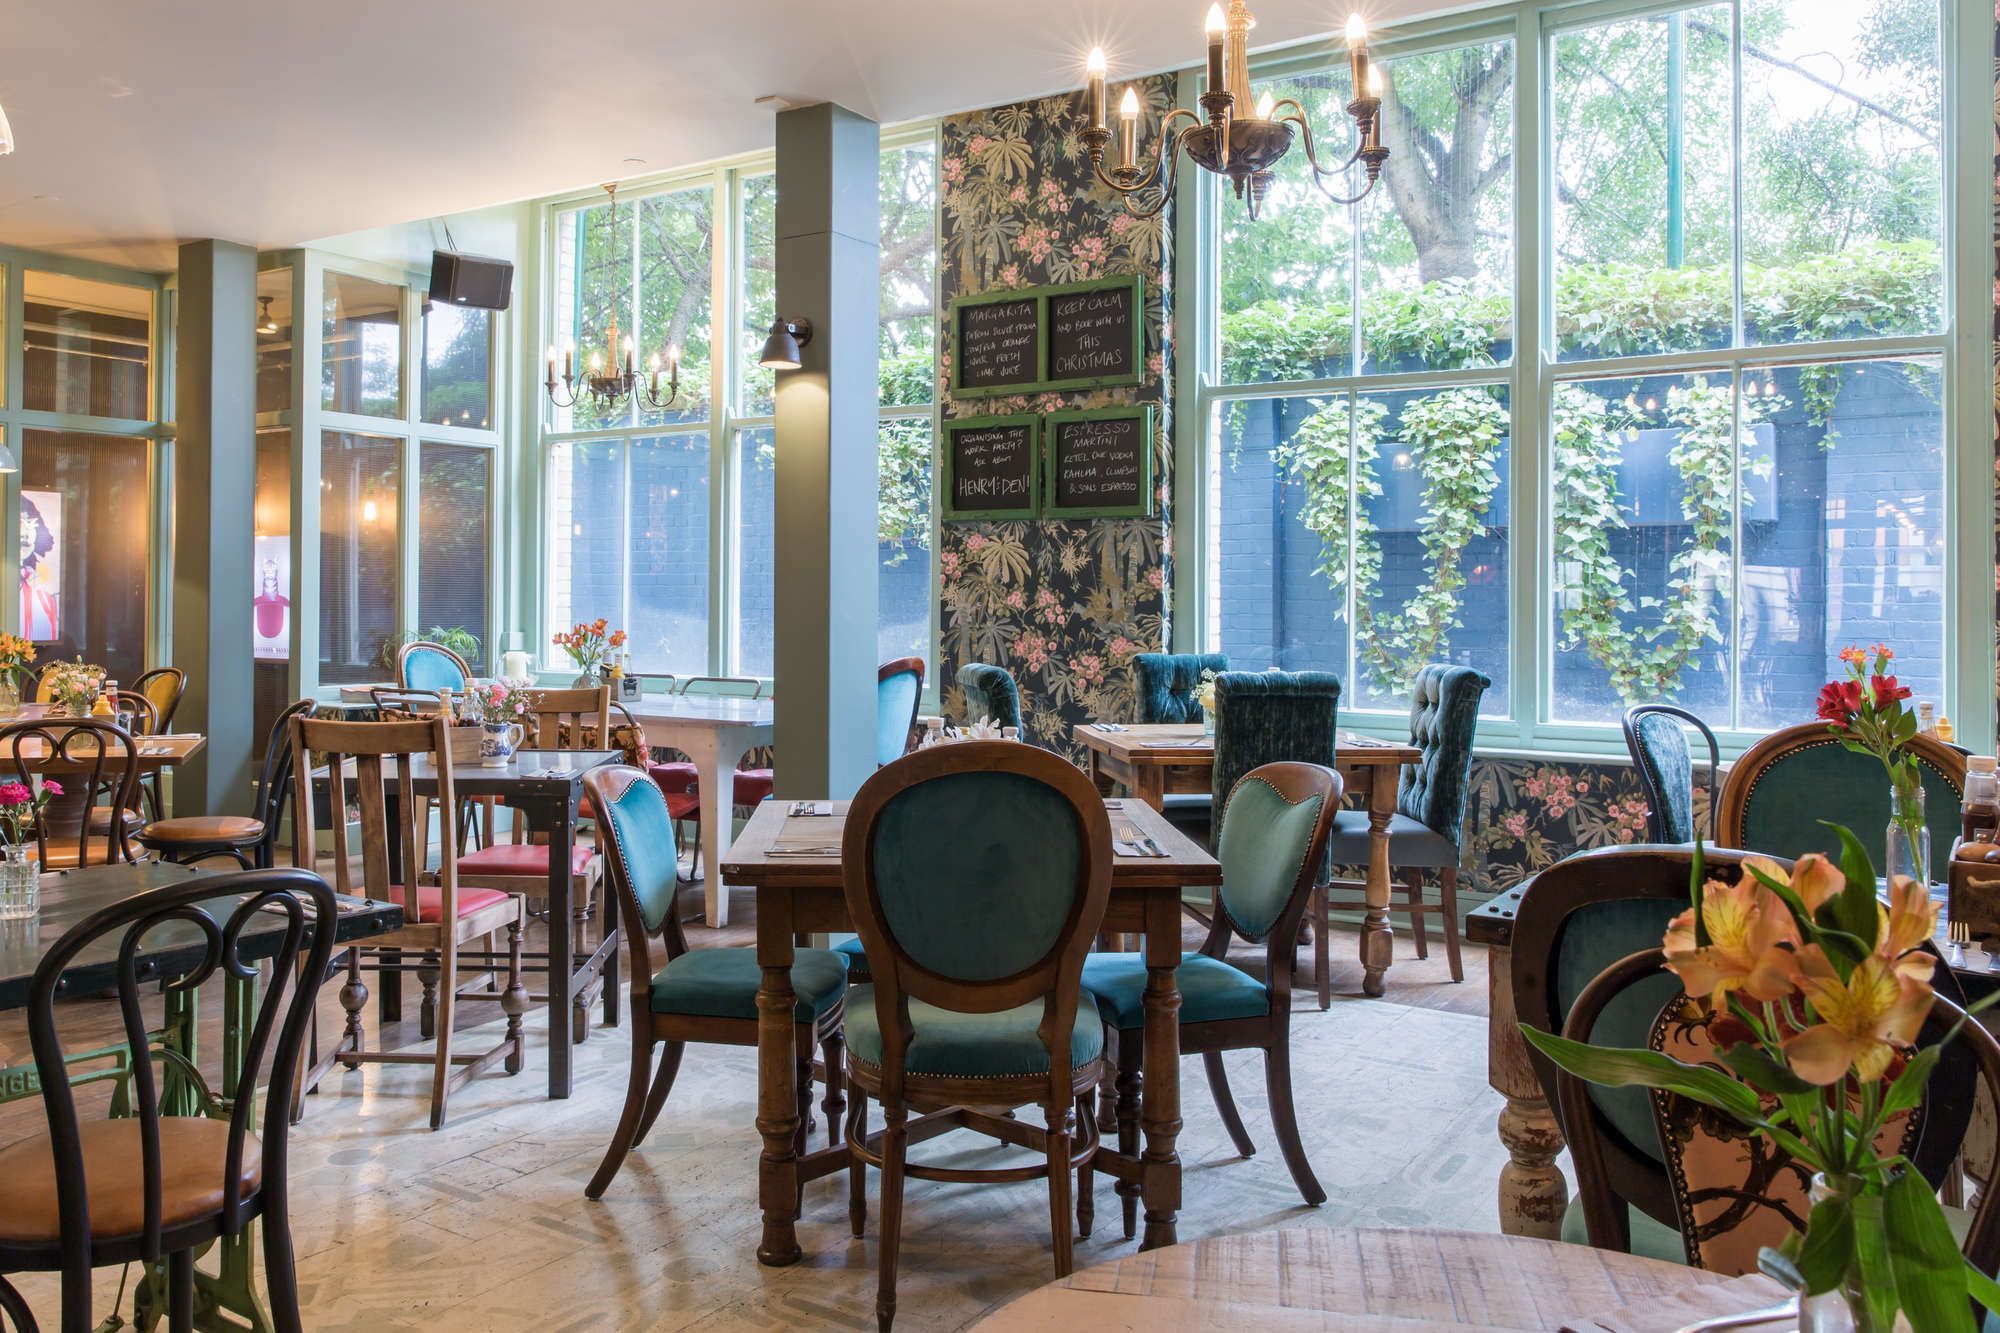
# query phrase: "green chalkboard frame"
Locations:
[[1143, 413], [951, 514], [1135, 283]]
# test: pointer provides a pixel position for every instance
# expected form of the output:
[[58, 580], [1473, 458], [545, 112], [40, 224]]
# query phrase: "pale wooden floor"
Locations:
[[484, 1224]]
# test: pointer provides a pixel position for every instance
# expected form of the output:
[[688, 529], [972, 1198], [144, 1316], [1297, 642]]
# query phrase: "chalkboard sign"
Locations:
[[1100, 463], [998, 344], [1096, 333], [991, 469]]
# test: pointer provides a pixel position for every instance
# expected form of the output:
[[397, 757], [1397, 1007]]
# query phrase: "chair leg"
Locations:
[[427, 977], [1062, 1228], [1413, 893], [1086, 1178], [353, 998], [1285, 1120], [833, 1051], [857, 1170], [447, 1003], [1448, 909], [895, 1141], [20, 1316], [1225, 1103], [281, 1275], [663, 1083], [1322, 959], [622, 1138], [514, 1000], [1128, 1123], [180, 1291]]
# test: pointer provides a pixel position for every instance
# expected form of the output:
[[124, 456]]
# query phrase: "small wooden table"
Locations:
[[797, 894], [716, 731], [1154, 761], [1379, 1281]]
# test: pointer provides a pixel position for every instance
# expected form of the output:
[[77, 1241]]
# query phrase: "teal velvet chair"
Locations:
[[1430, 810], [990, 692], [700, 995], [976, 931], [899, 684], [431, 667], [1169, 684], [1273, 837], [1656, 738], [1779, 790]]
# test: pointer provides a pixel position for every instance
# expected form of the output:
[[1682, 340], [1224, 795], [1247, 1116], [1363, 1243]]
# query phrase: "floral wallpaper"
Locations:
[[1062, 604]]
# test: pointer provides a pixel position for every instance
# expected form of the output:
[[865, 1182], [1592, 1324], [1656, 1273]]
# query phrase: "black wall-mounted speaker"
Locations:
[[471, 280]]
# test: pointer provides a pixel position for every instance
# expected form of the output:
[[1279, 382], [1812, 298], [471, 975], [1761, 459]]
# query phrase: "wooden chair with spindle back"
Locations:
[[438, 916], [90, 759]]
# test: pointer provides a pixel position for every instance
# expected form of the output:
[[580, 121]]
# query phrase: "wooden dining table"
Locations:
[[1156, 760], [793, 864]]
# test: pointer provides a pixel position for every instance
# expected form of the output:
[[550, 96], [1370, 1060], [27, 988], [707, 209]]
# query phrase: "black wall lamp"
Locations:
[[781, 349]]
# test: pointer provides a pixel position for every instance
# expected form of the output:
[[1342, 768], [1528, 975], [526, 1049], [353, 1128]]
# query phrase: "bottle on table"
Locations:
[[1926, 718], [1979, 806]]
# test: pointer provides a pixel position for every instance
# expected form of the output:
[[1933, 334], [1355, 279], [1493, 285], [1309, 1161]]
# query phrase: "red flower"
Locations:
[[1840, 700], [1886, 690]]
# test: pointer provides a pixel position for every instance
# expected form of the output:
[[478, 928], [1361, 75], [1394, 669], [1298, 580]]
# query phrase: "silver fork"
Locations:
[[1961, 935]]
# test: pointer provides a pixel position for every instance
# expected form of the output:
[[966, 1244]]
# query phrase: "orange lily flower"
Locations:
[[1908, 921], [1751, 935], [1814, 878], [1864, 1022]]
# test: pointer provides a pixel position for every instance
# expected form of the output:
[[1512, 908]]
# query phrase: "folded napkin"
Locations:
[[1692, 1304]]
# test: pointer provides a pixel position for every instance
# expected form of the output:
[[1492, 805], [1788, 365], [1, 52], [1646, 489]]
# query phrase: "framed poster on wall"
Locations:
[[41, 565]]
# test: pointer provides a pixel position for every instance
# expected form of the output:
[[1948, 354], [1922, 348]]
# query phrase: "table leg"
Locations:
[[777, 1082], [1160, 1097], [1149, 784], [1378, 943], [716, 754], [561, 825], [1533, 1192], [1105, 784]]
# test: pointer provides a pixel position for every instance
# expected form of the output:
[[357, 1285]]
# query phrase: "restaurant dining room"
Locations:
[[1134, 665]]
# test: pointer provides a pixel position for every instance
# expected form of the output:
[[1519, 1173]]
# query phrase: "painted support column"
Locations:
[[829, 261], [215, 464]]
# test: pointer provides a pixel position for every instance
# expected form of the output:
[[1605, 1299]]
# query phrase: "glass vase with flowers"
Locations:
[[1865, 710], [20, 867], [1814, 993], [72, 686], [589, 644]]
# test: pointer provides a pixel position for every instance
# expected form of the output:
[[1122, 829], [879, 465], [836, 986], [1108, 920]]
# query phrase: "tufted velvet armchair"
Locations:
[[990, 692], [1430, 806], [1170, 683]]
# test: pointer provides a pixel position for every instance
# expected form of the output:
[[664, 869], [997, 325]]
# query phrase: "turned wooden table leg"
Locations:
[[1533, 1192], [1160, 1096], [777, 1080], [1378, 942]]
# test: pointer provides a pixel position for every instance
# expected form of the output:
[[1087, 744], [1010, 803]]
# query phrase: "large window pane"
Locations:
[[453, 571], [905, 589], [1641, 112], [1287, 279], [669, 554], [358, 573], [85, 509], [759, 288], [1437, 242], [1851, 547], [1842, 156], [909, 275], [755, 530], [276, 340], [458, 366], [361, 346], [586, 555], [1644, 498], [88, 346]]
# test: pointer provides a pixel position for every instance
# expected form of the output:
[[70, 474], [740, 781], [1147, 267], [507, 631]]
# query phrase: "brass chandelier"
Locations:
[[1243, 148], [611, 377]]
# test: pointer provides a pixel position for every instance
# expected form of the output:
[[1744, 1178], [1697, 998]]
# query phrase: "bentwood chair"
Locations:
[[1430, 813], [1656, 737], [135, 713], [365, 762], [86, 1194], [1273, 839], [693, 995], [1779, 790], [164, 686], [990, 692], [1734, 1193], [251, 839], [1169, 686], [93, 760], [975, 931], [431, 667]]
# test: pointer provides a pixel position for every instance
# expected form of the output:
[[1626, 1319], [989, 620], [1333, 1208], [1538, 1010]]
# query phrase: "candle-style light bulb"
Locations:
[[1373, 139], [1264, 105], [1094, 85], [552, 365], [1357, 52], [1215, 29], [596, 361], [674, 358], [1128, 128]]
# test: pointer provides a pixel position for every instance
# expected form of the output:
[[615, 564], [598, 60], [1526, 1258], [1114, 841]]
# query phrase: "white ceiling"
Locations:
[[274, 122]]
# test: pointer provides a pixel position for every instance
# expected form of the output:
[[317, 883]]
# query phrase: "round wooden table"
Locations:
[[1391, 1281]]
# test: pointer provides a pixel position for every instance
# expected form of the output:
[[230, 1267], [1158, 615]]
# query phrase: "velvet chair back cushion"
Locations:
[[1782, 812], [1595, 936], [990, 692], [642, 836], [977, 873], [1444, 714], [1269, 717], [1664, 752], [895, 705], [1169, 684], [1264, 842], [427, 669]]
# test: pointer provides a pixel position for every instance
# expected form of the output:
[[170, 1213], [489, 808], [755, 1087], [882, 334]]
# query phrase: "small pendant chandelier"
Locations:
[[1243, 148], [611, 377]]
